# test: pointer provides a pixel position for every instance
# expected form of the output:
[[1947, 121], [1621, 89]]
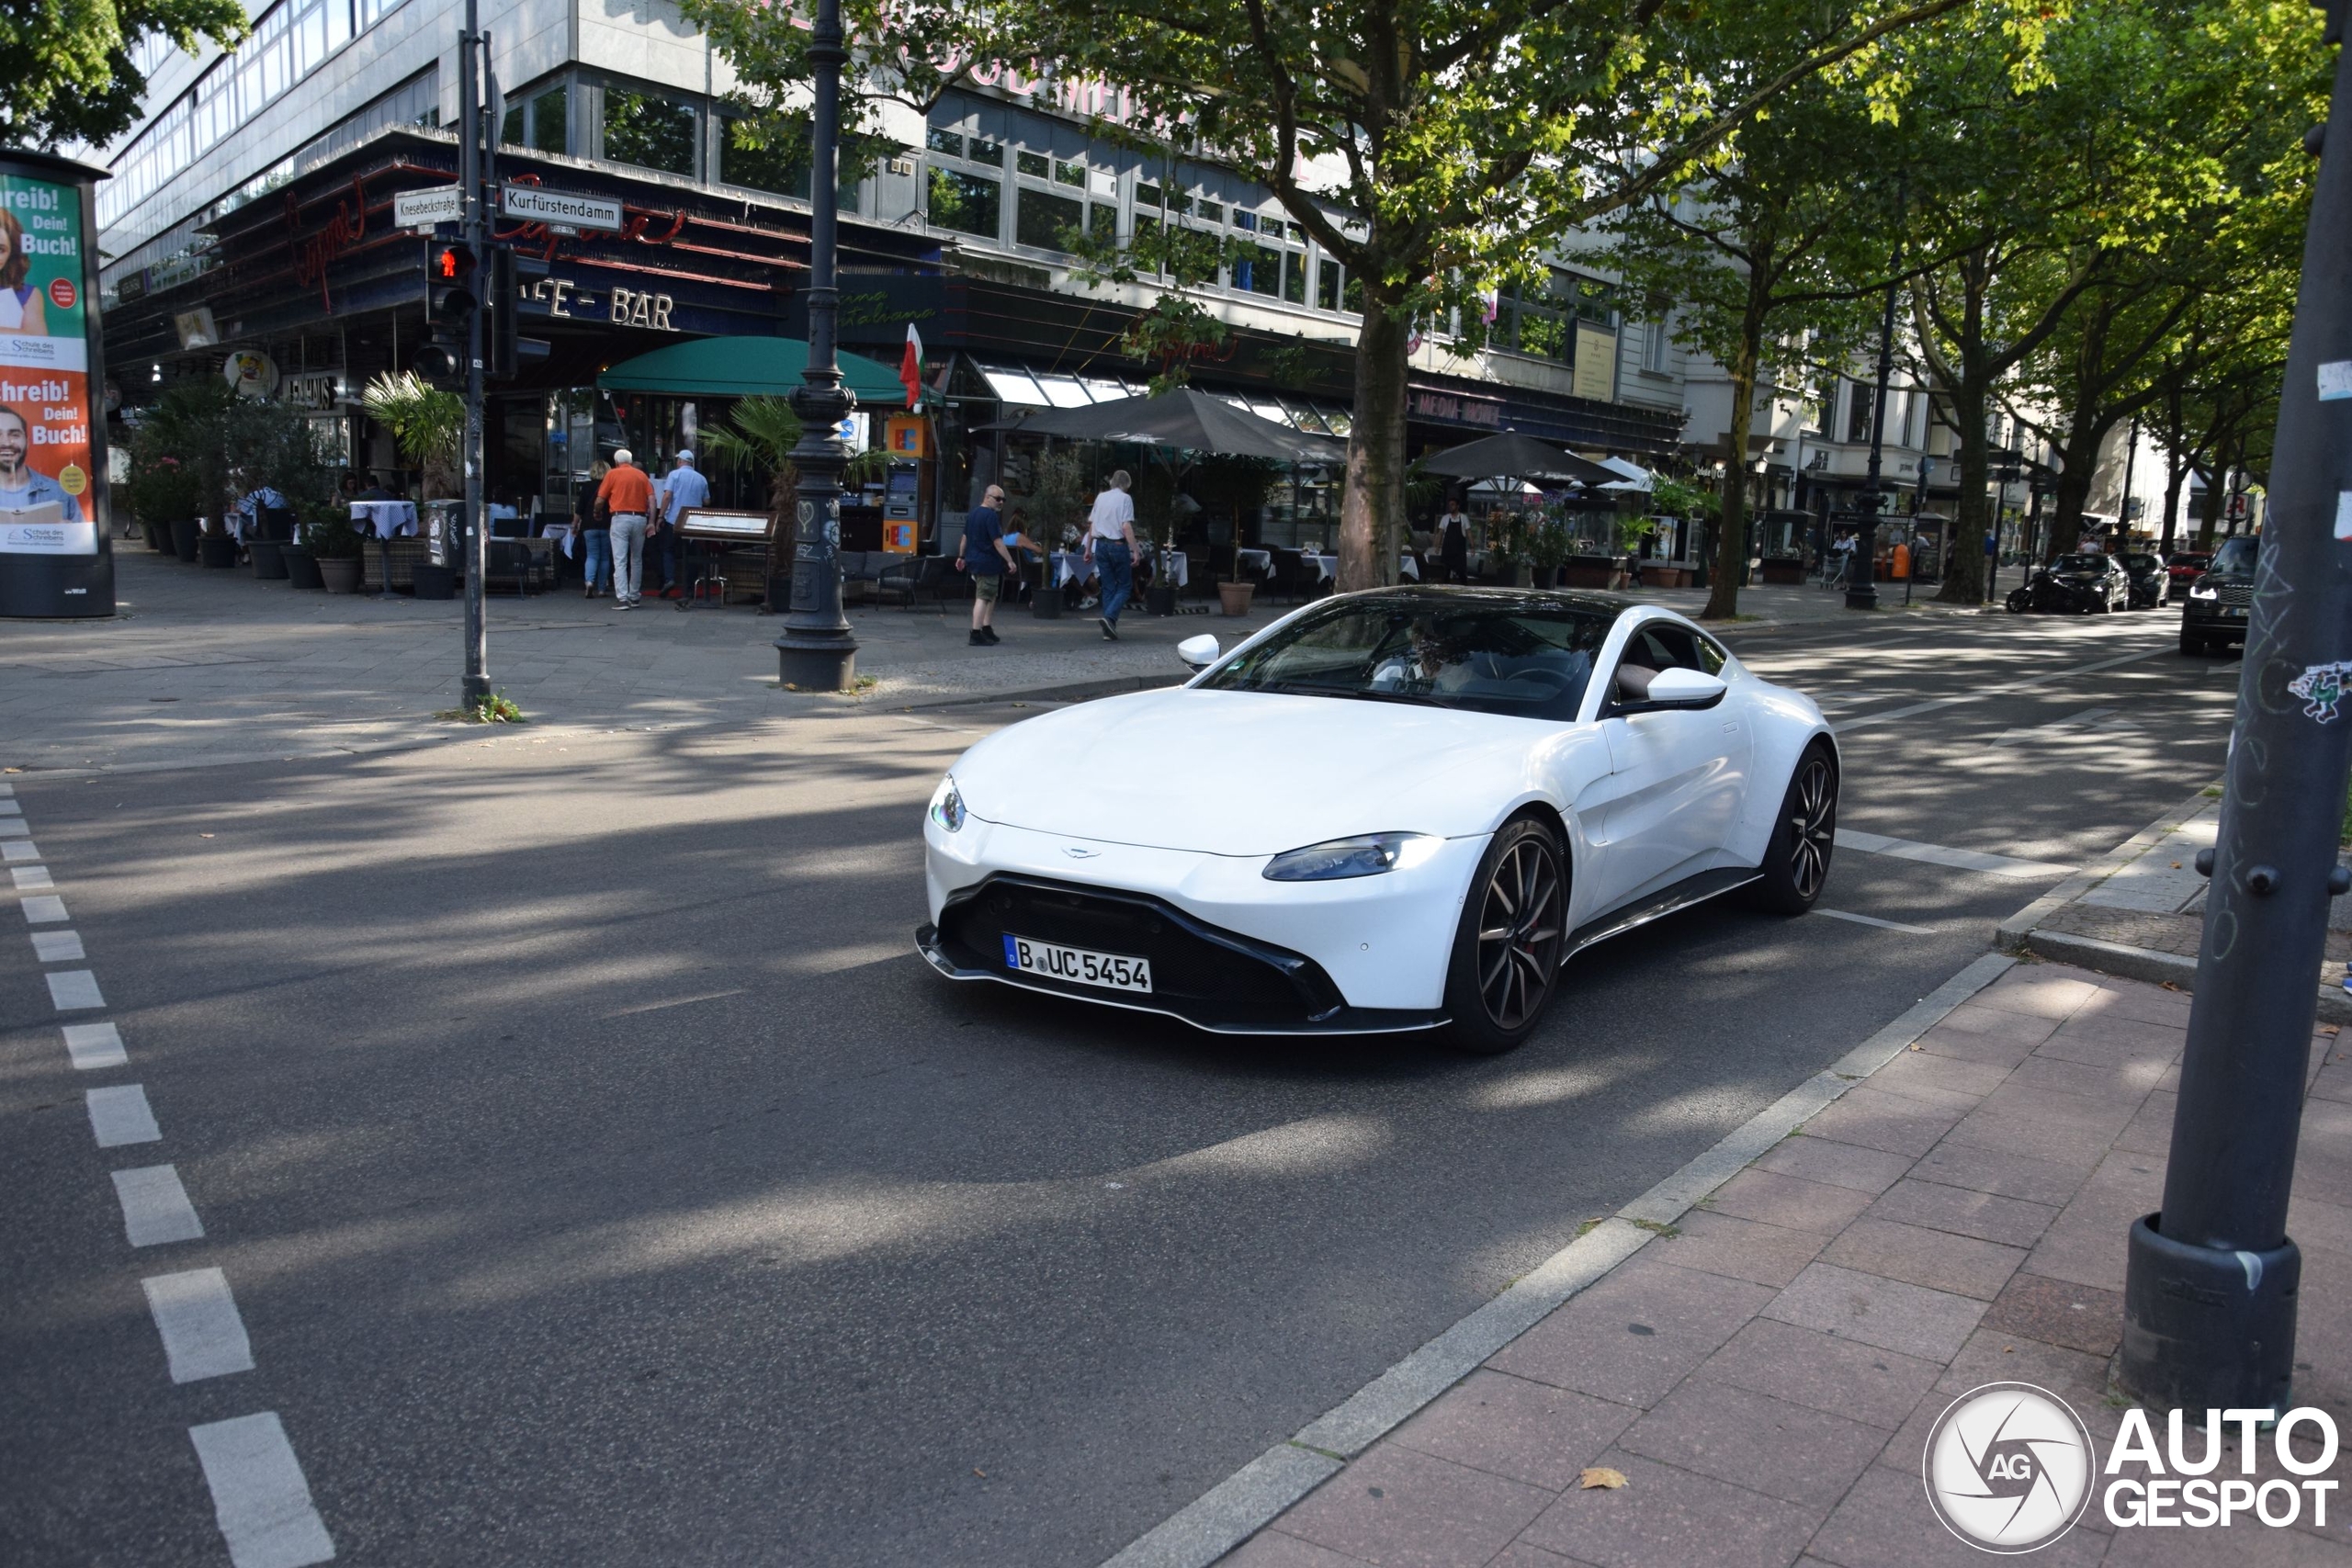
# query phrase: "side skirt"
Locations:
[[1658, 905]]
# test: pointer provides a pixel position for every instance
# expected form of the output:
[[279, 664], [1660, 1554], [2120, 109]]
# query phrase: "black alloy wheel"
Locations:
[[1796, 859], [1507, 950]]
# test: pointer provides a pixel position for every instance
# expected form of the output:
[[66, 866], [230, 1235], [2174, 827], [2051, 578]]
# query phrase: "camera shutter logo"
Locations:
[[2009, 1468]]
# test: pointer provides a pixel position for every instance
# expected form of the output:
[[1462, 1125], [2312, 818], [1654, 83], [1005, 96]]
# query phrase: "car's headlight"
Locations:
[[1368, 855], [948, 805], [2204, 592]]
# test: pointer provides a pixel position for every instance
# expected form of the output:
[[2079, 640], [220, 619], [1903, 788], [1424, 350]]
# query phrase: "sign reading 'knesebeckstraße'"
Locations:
[[44, 372], [559, 207]]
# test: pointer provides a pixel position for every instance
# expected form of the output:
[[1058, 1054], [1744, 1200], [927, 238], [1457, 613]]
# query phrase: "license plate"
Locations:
[[2234, 613], [1108, 970]]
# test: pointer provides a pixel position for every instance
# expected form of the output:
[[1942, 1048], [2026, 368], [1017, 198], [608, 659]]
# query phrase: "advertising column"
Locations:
[[55, 557]]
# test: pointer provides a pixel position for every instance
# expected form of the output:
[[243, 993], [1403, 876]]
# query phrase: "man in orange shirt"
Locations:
[[627, 494]]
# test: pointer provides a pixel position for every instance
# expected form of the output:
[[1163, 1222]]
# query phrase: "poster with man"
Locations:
[[45, 471]]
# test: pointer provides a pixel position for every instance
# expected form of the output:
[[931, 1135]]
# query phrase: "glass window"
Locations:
[[1295, 277], [1147, 195], [1213, 211], [1259, 270], [1044, 218], [510, 131], [1180, 201], [969, 204], [1527, 658], [1857, 411], [1326, 284], [551, 121], [1351, 295], [1245, 220], [1102, 223], [770, 168], [981, 150], [1297, 234], [1655, 338], [948, 141], [1029, 162], [1069, 173], [649, 131]]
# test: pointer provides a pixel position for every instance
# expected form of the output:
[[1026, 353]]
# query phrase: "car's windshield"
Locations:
[[1531, 658], [2084, 563], [2144, 563], [2236, 556]]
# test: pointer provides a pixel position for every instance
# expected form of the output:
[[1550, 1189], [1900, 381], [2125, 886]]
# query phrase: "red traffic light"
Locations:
[[453, 263]]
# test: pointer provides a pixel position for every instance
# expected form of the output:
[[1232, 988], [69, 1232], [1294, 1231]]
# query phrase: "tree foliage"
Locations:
[[66, 72]]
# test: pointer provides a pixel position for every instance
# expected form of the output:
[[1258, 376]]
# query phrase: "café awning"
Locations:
[[1513, 456], [747, 367]]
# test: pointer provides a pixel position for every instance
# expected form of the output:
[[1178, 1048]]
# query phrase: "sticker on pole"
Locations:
[[2336, 380], [2322, 687], [2344, 515]]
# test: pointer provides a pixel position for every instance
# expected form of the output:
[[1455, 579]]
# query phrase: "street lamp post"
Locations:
[[817, 652], [2210, 1284]]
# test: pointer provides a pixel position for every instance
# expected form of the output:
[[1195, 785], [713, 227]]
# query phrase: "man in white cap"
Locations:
[[682, 489], [628, 495]]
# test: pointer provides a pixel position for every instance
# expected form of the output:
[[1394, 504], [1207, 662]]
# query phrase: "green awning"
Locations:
[[747, 367]]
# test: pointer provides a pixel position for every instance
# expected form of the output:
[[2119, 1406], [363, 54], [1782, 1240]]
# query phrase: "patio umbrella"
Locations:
[[1189, 419], [1633, 475], [1513, 456]]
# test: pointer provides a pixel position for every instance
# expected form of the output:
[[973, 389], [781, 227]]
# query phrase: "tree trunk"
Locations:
[[1372, 504], [2080, 457], [1731, 535], [2209, 515], [2176, 472], [1965, 561]]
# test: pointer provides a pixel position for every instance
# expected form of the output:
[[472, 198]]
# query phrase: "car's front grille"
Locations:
[[2236, 595]]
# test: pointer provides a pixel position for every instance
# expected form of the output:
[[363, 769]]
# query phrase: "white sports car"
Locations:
[[1391, 810]]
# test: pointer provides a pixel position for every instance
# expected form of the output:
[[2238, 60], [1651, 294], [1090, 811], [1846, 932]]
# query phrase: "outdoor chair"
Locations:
[[899, 576]]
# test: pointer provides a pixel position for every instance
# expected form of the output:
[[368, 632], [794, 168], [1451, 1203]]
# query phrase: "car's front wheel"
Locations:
[[1796, 859], [1507, 950]]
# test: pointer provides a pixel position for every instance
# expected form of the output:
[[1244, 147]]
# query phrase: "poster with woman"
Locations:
[[46, 496]]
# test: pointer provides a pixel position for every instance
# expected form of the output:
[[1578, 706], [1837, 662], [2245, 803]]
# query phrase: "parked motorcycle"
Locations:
[[2041, 593]]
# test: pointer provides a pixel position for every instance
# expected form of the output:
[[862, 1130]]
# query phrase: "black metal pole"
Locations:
[[2208, 1294], [476, 688], [817, 652], [1861, 590]]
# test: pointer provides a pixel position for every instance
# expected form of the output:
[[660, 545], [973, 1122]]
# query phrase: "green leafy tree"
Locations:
[[66, 72]]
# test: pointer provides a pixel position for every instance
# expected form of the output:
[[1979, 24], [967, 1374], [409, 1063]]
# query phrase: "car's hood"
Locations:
[[1254, 773]]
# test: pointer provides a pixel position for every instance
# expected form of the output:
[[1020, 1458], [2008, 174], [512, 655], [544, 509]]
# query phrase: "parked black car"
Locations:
[[2149, 582], [2214, 613], [2084, 580]]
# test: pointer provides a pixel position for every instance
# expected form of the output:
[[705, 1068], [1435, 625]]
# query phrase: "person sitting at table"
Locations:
[[377, 491], [246, 514], [346, 489]]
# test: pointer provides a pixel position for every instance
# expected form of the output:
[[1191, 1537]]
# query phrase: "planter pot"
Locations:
[[432, 581], [1590, 571], [1786, 572], [1046, 604], [184, 537], [301, 566], [217, 550], [339, 573], [1505, 575], [1236, 596], [1160, 600], [159, 537], [269, 559]]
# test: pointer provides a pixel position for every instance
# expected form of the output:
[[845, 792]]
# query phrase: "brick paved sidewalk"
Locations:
[[1765, 1373]]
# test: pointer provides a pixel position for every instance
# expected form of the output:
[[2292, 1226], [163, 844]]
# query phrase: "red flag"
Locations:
[[910, 365]]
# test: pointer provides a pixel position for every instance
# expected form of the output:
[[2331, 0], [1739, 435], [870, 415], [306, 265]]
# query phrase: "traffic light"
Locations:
[[511, 277], [449, 306]]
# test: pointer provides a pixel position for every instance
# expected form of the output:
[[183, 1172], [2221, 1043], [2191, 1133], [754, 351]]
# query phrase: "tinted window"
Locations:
[[2236, 556], [968, 204], [2084, 562], [2144, 563], [1527, 658]]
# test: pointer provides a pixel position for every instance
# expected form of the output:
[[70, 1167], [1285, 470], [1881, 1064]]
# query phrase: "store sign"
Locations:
[[556, 207], [44, 374], [1449, 407], [632, 309], [312, 392], [251, 372]]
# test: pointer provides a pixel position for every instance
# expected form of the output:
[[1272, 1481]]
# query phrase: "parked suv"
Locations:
[[2214, 613]]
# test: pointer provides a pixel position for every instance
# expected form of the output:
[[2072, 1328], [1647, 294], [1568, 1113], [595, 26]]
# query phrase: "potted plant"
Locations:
[[1154, 498], [268, 559], [425, 423], [1059, 502], [334, 546], [762, 432], [1507, 548], [301, 565], [1547, 549], [1236, 486]]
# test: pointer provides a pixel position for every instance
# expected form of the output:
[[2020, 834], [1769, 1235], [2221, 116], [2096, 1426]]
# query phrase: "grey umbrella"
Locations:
[[1189, 419], [1513, 456]]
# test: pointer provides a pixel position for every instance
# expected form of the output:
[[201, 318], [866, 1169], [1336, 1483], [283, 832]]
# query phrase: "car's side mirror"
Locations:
[[1677, 689], [1199, 652]]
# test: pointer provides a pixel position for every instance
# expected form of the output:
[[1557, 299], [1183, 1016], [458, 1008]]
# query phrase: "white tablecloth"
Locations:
[[1180, 568], [383, 519], [1328, 567], [562, 534], [1260, 562]]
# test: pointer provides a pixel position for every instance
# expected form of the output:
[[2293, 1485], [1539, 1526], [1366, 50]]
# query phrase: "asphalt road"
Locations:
[[601, 1180]]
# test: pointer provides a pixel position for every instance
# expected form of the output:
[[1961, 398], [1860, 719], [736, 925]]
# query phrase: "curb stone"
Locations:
[[1251, 1497]]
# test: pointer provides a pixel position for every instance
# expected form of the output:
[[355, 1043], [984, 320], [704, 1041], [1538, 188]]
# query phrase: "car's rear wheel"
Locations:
[[1507, 950], [1796, 859]]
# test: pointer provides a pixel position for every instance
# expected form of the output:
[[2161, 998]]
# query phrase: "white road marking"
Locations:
[[2010, 689], [43, 909], [32, 878], [1937, 854], [1871, 921], [18, 849], [155, 1208], [74, 988], [93, 1046], [203, 1336], [2057, 729], [57, 947], [119, 1115], [11, 808], [259, 1493], [13, 828]]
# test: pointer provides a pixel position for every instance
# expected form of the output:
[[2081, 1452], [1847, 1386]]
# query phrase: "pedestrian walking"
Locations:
[[1111, 547], [987, 558], [594, 521], [681, 490], [1453, 544], [627, 494]]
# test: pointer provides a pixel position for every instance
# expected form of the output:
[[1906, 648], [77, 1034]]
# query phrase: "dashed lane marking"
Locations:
[[203, 1336], [1937, 854], [1872, 920], [2007, 689], [13, 828], [18, 850], [74, 990], [11, 808], [32, 878], [58, 947], [94, 1046], [155, 1208], [259, 1493], [43, 909], [119, 1115]]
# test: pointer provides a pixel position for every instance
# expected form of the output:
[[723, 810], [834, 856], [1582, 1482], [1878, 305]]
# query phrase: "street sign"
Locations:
[[2241, 507], [556, 207], [424, 208]]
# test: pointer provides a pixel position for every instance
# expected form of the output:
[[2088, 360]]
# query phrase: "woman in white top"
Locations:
[[1111, 546]]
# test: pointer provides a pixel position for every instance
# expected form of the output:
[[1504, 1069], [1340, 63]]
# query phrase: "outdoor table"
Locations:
[[1328, 567], [1180, 568], [1260, 562], [1069, 566], [383, 519], [561, 533]]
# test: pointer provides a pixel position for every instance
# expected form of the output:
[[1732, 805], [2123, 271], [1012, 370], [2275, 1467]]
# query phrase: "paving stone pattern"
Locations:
[[1764, 1379]]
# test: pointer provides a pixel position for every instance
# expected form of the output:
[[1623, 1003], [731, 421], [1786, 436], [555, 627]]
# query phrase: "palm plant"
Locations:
[[426, 422], [761, 433]]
